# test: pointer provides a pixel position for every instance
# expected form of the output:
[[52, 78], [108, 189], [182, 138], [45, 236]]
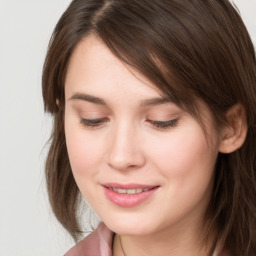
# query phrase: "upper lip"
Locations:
[[128, 186]]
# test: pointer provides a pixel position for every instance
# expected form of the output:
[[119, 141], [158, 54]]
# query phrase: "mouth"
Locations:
[[129, 191], [129, 195]]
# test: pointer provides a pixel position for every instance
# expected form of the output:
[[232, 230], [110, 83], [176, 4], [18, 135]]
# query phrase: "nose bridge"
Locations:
[[125, 151]]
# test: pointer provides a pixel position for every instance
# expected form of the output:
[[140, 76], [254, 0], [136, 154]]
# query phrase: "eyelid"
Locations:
[[162, 125], [90, 110], [93, 120], [93, 123]]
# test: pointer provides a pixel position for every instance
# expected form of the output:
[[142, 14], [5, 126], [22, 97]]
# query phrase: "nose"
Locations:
[[125, 149]]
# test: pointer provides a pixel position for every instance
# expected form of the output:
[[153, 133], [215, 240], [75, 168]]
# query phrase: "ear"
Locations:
[[234, 133], [57, 102]]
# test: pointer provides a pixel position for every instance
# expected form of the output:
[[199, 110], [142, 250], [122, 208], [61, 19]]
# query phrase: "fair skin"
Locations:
[[117, 132]]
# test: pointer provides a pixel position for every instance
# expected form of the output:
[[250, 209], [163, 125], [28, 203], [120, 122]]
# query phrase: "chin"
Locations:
[[129, 226]]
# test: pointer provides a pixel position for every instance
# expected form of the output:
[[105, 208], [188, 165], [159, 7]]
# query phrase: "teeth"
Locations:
[[119, 190], [139, 190], [129, 191]]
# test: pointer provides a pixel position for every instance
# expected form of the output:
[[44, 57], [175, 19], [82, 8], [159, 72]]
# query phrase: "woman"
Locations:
[[154, 125]]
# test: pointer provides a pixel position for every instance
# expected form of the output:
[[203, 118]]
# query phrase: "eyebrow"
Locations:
[[88, 98], [99, 101]]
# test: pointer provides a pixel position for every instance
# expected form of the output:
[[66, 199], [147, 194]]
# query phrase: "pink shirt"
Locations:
[[99, 243]]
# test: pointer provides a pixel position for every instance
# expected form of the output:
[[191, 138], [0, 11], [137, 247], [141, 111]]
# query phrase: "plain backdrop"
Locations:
[[27, 226]]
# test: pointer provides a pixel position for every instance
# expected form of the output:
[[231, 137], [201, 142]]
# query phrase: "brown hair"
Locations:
[[189, 49]]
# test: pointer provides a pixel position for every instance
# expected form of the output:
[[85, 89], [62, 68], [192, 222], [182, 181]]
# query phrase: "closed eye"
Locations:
[[162, 125], [93, 123]]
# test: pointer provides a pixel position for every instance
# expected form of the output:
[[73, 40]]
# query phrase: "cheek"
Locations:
[[84, 151], [184, 157], [187, 165]]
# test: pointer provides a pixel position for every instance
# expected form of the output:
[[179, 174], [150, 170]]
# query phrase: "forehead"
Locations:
[[94, 68]]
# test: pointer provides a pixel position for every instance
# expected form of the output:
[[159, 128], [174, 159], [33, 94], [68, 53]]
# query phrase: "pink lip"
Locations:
[[128, 200]]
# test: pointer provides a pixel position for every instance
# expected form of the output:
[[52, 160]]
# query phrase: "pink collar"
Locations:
[[98, 243]]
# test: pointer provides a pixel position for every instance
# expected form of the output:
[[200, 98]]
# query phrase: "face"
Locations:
[[142, 163]]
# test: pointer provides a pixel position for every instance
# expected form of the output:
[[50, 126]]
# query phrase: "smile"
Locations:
[[130, 195], [129, 191]]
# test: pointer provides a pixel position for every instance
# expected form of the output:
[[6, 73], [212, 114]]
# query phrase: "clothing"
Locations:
[[99, 243]]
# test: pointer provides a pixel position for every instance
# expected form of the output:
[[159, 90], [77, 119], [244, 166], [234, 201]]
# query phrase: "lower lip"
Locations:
[[128, 200]]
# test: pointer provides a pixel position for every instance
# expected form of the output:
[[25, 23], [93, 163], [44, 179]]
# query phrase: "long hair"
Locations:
[[189, 49]]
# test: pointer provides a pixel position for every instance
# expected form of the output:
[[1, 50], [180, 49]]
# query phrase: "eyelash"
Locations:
[[162, 125], [93, 123]]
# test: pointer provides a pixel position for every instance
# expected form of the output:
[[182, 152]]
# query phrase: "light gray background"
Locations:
[[27, 227]]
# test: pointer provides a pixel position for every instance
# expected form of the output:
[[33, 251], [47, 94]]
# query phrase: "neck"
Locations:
[[187, 242]]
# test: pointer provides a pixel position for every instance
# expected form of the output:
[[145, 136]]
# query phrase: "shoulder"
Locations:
[[98, 243]]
